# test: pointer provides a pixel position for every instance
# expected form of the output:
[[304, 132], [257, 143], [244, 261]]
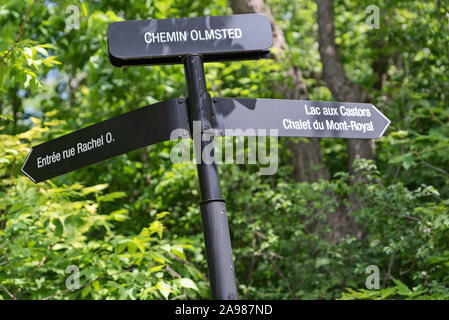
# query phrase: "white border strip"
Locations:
[[388, 120], [26, 160]]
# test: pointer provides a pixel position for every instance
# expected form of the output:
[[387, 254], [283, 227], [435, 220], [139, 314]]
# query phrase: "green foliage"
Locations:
[[23, 62], [46, 228], [132, 225], [399, 291], [285, 252]]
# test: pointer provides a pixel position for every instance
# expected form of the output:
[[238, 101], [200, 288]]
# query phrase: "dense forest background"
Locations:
[[131, 225]]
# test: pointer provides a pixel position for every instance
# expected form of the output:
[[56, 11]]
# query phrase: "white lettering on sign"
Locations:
[[354, 112], [296, 124], [156, 37], [194, 35], [68, 153], [92, 144], [312, 110], [336, 125], [81, 147], [331, 124], [48, 159], [365, 126], [333, 111]]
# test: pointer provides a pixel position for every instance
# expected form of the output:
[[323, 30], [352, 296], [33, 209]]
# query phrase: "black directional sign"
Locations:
[[112, 137], [166, 41], [298, 118]]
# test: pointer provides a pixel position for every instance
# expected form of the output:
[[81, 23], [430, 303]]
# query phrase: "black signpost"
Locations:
[[193, 41], [213, 207]]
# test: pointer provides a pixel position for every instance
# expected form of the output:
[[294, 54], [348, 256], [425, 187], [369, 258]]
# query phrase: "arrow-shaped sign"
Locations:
[[232, 117], [112, 137], [298, 118]]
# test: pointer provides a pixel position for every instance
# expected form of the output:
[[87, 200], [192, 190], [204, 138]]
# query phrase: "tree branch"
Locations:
[[334, 75], [13, 275], [20, 32], [435, 168], [188, 263], [38, 266], [89, 283], [7, 291], [173, 272], [306, 152], [182, 296], [258, 6]]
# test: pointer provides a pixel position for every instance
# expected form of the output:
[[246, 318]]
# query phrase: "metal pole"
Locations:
[[213, 207]]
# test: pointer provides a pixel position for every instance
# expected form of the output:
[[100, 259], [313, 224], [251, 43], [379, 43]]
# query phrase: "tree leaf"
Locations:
[[188, 283]]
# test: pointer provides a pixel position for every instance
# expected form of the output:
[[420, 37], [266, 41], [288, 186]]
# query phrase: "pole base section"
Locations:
[[218, 250]]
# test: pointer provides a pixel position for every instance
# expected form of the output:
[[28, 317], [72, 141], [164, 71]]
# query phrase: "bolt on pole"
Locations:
[[213, 207]]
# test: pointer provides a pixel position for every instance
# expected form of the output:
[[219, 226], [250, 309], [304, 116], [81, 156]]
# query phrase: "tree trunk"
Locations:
[[307, 159], [16, 106], [341, 87]]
